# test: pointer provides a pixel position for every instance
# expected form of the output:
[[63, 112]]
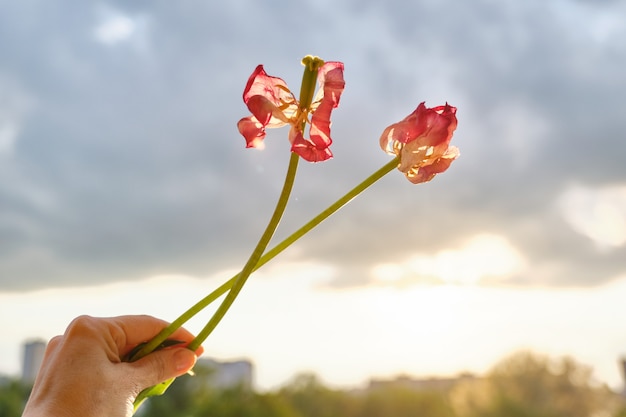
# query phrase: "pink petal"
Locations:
[[332, 84], [267, 97], [427, 126], [442, 122], [428, 171], [308, 150], [421, 140], [252, 130]]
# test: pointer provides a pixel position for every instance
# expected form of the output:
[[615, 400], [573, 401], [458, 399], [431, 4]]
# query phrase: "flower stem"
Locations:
[[253, 260], [312, 65], [268, 256], [326, 213]]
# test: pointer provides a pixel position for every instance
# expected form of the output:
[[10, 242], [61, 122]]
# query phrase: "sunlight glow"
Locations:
[[482, 256], [286, 323], [599, 214]]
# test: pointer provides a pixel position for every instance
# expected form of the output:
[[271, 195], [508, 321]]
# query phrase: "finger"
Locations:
[[52, 345], [162, 365], [132, 330]]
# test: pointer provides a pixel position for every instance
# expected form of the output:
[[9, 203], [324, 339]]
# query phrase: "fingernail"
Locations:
[[184, 359]]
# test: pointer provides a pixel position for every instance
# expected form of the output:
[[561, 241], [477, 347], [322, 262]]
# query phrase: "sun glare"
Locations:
[[599, 214], [482, 256]]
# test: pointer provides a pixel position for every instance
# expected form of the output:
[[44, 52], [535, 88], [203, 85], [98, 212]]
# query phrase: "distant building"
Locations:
[[230, 374], [4, 380], [419, 384], [32, 352]]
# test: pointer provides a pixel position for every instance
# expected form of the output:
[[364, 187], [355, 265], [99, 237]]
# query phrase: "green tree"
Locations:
[[621, 412], [401, 401], [310, 398], [527, 384], [236, 402], [196, 397], [13, 396]]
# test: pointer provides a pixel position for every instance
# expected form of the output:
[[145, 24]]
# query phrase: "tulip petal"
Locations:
[[273, 105], [332, 85], [428, 171], [252, 130], [442, 122], [317, 148], [268, 98], [421, 140], [308, 150]]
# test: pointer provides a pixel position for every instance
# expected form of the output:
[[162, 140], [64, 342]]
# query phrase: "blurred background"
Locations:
[[125, 187]]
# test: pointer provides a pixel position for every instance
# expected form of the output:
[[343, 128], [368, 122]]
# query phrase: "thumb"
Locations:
[[162, 365]]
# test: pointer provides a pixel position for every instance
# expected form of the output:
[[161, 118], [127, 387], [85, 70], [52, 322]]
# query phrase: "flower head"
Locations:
[[272, 105], [422, 142]]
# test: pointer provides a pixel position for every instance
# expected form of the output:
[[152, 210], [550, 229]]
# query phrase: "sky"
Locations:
[[125, 187]]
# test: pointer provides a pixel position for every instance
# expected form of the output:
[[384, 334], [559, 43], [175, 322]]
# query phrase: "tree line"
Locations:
[[525, 384]]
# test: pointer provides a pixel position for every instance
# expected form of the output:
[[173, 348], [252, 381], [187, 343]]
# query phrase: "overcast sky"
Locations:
[[120, 159]]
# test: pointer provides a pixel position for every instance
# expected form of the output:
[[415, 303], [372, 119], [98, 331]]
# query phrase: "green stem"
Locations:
[[329, 211], [312, 65], [268, 256], [249, 267]]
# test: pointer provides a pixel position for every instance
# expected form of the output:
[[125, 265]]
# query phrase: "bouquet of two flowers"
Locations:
[[420, 145]]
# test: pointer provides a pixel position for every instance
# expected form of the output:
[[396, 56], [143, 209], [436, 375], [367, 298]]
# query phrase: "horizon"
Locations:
[[205, 360], [343, 359]]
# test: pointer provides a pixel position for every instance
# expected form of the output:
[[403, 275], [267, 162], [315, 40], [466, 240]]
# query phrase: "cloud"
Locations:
[[599, 214], [130, 164], [483, 256], [8, 136], [115, 29], [14, 108]]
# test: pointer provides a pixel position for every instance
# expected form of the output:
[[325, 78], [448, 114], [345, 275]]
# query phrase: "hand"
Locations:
[[82, 373]]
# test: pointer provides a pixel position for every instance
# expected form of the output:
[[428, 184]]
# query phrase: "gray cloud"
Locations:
[[128, 162]]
